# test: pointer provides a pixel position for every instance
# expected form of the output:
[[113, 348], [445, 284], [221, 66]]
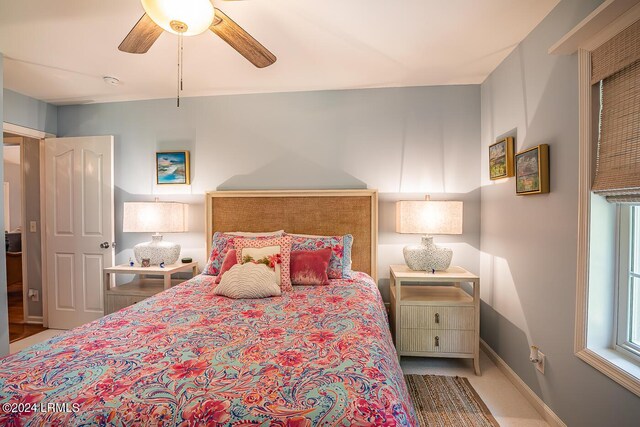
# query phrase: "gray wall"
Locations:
[[4, 321], [529, 243], [32, 113], [405, 142]]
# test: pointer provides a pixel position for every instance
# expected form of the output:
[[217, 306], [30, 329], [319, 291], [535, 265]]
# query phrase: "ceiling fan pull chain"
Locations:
[[179, 86], [178, 82]]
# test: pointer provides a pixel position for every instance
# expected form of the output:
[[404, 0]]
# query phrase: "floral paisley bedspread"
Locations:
[[317, 356]]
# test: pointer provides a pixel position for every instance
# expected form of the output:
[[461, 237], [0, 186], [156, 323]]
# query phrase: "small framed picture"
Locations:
[[532, 170], [172, 167], [501, 159]]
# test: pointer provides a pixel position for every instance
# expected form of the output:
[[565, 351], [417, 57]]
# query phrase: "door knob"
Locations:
[[104, 245]]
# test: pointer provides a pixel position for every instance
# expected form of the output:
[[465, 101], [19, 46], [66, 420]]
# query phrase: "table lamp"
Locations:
[[155, 217], [428, 217]]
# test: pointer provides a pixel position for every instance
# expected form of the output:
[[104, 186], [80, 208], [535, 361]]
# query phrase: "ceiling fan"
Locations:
[[190, 18]]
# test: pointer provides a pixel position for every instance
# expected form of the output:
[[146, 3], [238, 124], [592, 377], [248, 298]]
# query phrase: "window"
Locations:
[[608, 275], [628, 328]]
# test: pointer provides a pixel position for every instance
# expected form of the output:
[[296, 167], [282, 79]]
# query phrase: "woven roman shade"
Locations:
[[618, 161], [619, 52]]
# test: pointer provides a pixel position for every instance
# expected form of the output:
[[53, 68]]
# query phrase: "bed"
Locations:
[[319, 355]]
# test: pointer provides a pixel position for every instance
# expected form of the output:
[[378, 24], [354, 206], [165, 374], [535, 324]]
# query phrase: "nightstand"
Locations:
[[119, 297], [431, 315]]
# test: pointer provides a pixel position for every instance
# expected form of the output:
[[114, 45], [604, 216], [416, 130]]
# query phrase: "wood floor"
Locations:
[[18, 329]]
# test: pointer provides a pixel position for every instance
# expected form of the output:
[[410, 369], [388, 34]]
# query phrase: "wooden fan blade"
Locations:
[[141, 37], [241, 41]]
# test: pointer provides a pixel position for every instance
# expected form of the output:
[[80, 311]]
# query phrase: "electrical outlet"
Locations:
[[33, 226], [540, 364], [34, 295]]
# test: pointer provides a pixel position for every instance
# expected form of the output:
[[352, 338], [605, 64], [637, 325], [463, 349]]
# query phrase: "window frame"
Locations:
[[617, 365], [602, 24]]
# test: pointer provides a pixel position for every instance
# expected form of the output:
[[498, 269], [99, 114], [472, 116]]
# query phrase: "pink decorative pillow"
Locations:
[[257, 249], [223, 242], [340, 262], [229, 261], [310, 267]]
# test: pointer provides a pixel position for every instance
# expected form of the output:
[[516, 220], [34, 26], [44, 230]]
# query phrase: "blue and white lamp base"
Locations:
[[157, 251], [427, 256]]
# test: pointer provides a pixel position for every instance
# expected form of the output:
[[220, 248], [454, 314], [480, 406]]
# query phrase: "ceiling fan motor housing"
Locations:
[[187, 17]]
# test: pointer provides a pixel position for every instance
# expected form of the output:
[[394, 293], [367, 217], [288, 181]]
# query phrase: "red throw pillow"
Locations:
[[310, 267], [229, 261]]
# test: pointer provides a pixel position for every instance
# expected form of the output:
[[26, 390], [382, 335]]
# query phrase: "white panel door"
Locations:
[[79, 227]]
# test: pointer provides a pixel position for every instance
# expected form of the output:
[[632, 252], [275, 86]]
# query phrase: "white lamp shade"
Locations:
[[155, 217], [428, 217], [197, 14]]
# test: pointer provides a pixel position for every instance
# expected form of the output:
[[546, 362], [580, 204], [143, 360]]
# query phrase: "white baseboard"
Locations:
[[533, 399], [34, 320]]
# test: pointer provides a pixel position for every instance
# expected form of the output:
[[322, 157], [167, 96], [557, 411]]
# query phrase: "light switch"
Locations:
[[33, 226]]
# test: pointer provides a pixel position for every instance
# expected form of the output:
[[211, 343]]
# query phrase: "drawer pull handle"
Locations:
[[437, 341], [437, 318]]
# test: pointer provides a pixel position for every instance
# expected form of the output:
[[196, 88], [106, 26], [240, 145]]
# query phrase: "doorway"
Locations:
[[21, 182]]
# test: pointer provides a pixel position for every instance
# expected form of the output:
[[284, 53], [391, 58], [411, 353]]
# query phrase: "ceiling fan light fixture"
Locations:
[[187, 17]]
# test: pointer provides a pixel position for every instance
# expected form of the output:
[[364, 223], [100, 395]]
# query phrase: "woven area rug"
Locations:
[[442, 401]]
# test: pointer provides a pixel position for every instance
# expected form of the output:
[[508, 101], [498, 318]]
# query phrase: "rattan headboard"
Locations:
[[317, 212]]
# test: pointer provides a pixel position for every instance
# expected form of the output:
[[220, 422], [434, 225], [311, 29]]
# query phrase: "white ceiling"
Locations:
[[58, 51]]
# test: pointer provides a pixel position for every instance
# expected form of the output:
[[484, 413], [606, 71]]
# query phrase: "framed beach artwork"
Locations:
[[172, 167], [532, 170], [501, 159]]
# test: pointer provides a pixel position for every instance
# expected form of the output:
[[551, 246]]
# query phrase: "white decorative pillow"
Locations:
[[255, 254], [248, 281]]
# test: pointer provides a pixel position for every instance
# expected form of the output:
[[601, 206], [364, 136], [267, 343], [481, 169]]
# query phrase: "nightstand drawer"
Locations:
[[136, 299], [437, 317], [429, 340], [114, 303]]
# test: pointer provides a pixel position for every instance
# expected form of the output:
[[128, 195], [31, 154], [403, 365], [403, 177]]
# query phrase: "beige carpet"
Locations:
[[442, 401]]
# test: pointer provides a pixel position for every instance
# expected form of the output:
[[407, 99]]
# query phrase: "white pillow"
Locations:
[[257, 253], [248, 281]]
